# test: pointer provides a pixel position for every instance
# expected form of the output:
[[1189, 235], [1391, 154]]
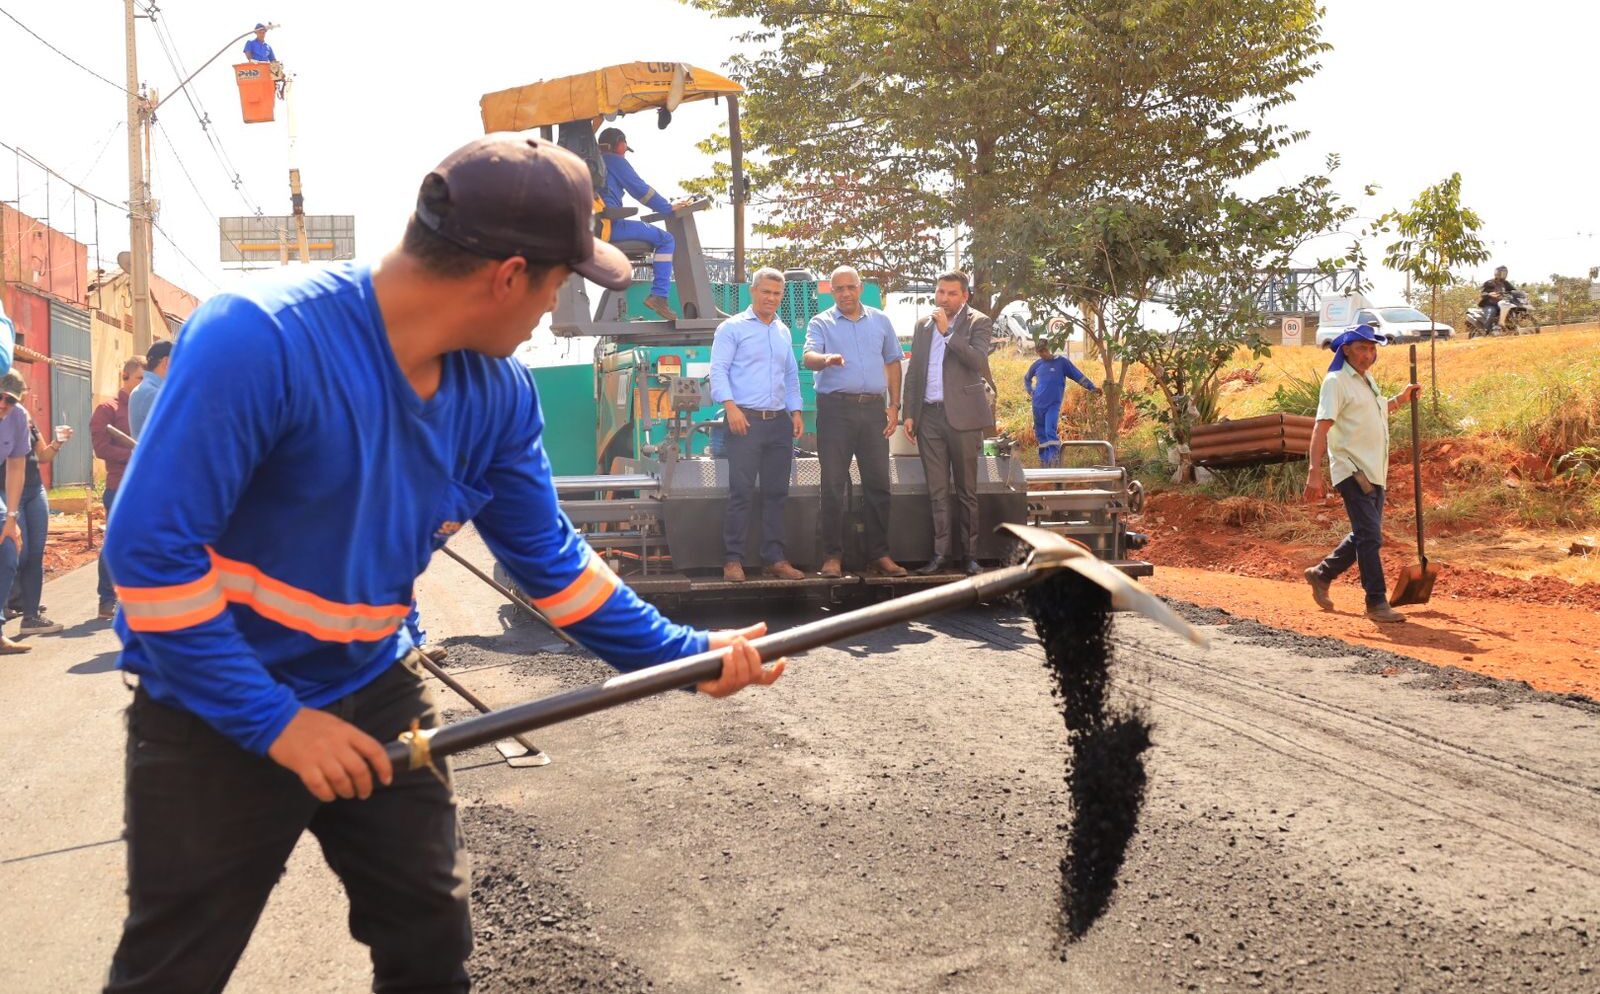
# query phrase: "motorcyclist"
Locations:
[[1494, 291]]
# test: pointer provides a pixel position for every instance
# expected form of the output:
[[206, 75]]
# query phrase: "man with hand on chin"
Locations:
[[949, 404]]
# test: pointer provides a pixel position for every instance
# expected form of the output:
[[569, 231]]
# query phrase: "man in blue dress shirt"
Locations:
[[755, 378], [856, 356]]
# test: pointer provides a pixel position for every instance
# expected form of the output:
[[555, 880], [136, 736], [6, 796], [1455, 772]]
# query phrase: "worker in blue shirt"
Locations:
[[143, 398], [266, 542], [621, 178], [1046, 383], [257, 49], [755, 378]]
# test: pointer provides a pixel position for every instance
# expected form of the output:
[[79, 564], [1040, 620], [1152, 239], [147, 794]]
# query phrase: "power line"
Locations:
[[20, 154], [169, 48], [122, 89], [194, 186], [185, 256]]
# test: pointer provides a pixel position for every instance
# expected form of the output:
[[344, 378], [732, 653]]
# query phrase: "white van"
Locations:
[[1399, 323]]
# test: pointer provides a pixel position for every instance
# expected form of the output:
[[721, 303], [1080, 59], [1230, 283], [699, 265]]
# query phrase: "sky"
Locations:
[[1410, 93]]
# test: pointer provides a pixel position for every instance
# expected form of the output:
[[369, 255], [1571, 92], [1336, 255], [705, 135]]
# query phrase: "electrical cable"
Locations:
[[185, 256], [12, 17], [169, 48], [195, 187]]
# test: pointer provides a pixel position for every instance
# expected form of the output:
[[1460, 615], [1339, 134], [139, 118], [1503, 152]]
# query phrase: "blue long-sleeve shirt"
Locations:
[[753, 364], [267, 536], [621, 178], [142, 401], [1046, 379]]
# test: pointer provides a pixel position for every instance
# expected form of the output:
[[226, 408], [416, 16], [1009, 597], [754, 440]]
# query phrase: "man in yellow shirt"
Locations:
[[1353, 430]]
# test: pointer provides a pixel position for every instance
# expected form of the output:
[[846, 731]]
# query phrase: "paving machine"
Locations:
[[650, 493]]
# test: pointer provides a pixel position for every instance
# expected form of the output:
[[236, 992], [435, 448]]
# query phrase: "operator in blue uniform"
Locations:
[[621, 178], [263, 606], [257, 49], [1046, 382]]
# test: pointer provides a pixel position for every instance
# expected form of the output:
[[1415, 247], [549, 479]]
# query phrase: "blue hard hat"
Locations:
[[260, 27]]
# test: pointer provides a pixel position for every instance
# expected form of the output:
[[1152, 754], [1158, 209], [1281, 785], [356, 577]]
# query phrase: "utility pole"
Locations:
[[297, 202], [139, 205]]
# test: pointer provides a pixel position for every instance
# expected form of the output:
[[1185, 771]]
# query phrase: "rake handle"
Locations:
[[687, 672], [1416, 458]]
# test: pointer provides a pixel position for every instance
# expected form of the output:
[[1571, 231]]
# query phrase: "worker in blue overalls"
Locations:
[[621, 178], [257, 50], [1046, 382]]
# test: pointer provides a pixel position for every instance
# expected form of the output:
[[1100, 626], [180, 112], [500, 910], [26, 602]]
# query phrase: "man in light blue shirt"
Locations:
[[856, 356], [143, 399], [755, 378]]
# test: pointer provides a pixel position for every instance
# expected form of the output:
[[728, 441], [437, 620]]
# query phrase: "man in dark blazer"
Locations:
[[949, 404]]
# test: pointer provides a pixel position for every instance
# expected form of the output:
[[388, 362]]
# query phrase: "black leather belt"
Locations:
[[855, 398], [933, 403], [763, 415]]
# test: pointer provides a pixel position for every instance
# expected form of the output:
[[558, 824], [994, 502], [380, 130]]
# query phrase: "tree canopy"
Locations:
[[880, 129]]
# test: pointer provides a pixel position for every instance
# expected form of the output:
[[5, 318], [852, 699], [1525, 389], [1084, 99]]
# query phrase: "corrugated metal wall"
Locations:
[[31, 314], [71, 394]]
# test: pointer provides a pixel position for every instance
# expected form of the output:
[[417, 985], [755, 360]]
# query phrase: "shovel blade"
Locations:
[[1050, 550], [518, 755], [1414, 585]]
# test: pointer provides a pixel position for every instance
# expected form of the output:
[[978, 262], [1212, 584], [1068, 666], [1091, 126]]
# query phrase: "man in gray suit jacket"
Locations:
[[949, 404]]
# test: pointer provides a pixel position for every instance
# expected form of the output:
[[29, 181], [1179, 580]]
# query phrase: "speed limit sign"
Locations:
[[1291, 331]]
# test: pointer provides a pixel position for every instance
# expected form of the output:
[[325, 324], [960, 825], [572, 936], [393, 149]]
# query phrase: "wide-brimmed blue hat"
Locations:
[[1360, 333]]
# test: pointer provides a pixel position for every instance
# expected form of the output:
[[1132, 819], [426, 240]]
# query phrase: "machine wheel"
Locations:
[[1135, 497]]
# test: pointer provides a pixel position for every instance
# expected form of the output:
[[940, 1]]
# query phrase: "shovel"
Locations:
[[1414, 585], [1049, 553]]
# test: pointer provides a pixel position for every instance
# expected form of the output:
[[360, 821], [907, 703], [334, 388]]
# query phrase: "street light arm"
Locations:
[[179, 88]]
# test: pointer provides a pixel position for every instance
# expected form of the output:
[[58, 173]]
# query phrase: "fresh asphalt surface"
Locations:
[[890, 816]]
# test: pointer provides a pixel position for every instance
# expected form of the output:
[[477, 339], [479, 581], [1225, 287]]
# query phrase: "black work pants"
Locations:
[[950, 462], [759, 462], [210, 826], [851, 426]]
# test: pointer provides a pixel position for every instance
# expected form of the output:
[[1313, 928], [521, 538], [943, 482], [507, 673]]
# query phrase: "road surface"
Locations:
[[890, 817]]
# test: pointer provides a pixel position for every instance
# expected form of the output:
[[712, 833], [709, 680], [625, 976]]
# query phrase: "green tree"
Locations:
[[1437, 235], [1176, 286], [885, 132]]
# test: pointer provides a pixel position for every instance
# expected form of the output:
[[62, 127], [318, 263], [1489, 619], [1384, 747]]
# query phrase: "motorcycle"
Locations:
[[1516, 318]]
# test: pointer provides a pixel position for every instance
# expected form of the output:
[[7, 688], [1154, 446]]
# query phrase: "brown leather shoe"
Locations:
[[733, 572], [10, 648], [783, 571], [660, 306], [888, 567], [832, 569]]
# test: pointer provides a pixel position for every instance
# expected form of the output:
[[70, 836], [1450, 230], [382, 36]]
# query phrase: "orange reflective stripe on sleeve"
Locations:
[[293, 607], [582, 597], [168, 609]]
